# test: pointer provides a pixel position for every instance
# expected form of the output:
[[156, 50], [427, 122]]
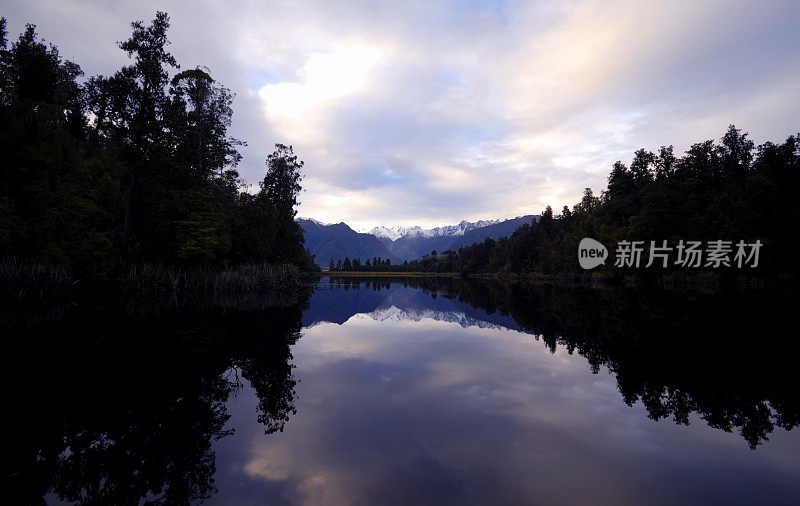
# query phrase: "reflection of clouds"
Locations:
[[428, 411]]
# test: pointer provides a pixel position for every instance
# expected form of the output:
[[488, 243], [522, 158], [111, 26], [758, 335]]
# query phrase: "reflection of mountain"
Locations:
[[338, 300], [337, 303], [395, 314]]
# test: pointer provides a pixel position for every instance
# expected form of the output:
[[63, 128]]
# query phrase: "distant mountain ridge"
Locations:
[[327, 241], [415, 245], [395, 233], [337, 241], [494, 231]]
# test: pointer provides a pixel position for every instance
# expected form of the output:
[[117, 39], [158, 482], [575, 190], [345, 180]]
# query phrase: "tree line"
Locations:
[[731, 190], [444, 261], [138, 166], [376, 264], [434, 262]]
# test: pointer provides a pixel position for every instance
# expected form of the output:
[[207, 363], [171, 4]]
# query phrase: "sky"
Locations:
[[430, 112]]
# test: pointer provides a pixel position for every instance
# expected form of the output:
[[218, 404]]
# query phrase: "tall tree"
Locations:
[[146, 80], [281, 187]]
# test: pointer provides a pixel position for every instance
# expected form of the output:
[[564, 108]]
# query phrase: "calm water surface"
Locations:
[[424, 391]]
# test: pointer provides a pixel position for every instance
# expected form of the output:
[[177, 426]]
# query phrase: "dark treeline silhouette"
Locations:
[[133, 167], [446, 261], [374, 264], [121, 409], [676, 353], [730, 191]]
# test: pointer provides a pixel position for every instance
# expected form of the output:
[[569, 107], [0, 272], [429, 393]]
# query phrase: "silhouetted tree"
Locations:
[[133, 167]]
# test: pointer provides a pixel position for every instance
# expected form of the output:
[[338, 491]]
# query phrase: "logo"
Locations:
[[591, 253]]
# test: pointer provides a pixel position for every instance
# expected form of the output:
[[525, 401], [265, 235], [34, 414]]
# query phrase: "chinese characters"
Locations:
[[691, 254]]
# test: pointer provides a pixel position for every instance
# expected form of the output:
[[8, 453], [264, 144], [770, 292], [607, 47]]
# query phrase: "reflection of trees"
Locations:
[[679, 355], [729, 358], [159, 449], [125, 411], [266, 364], [365, 282]]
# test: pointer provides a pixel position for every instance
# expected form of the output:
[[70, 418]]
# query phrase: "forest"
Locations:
[[731, 190], [138, 167]]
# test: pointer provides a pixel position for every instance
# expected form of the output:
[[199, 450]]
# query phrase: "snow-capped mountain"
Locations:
[[395, 233], [391, 233], [312, 220], [337, 241]]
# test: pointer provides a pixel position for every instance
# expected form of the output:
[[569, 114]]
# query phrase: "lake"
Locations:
[[398, 391]]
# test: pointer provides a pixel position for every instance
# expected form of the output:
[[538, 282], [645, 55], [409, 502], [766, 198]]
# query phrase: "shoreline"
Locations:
[[388, 274]]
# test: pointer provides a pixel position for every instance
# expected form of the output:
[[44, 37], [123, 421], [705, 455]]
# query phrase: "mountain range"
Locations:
[[334, 241], [395, 233]]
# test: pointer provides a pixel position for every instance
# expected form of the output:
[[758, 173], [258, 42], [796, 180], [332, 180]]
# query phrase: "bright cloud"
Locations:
[[325, 77]]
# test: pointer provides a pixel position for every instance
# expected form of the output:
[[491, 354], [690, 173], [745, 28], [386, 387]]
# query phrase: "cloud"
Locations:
[[430, 112], [326, 77]]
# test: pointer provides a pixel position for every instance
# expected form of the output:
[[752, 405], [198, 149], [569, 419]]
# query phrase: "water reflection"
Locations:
[[113, 410], [417, 390], [675, 353], [400, 402]]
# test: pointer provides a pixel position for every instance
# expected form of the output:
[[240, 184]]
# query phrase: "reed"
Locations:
[[151, 287], [30, 281], [33, 292]]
